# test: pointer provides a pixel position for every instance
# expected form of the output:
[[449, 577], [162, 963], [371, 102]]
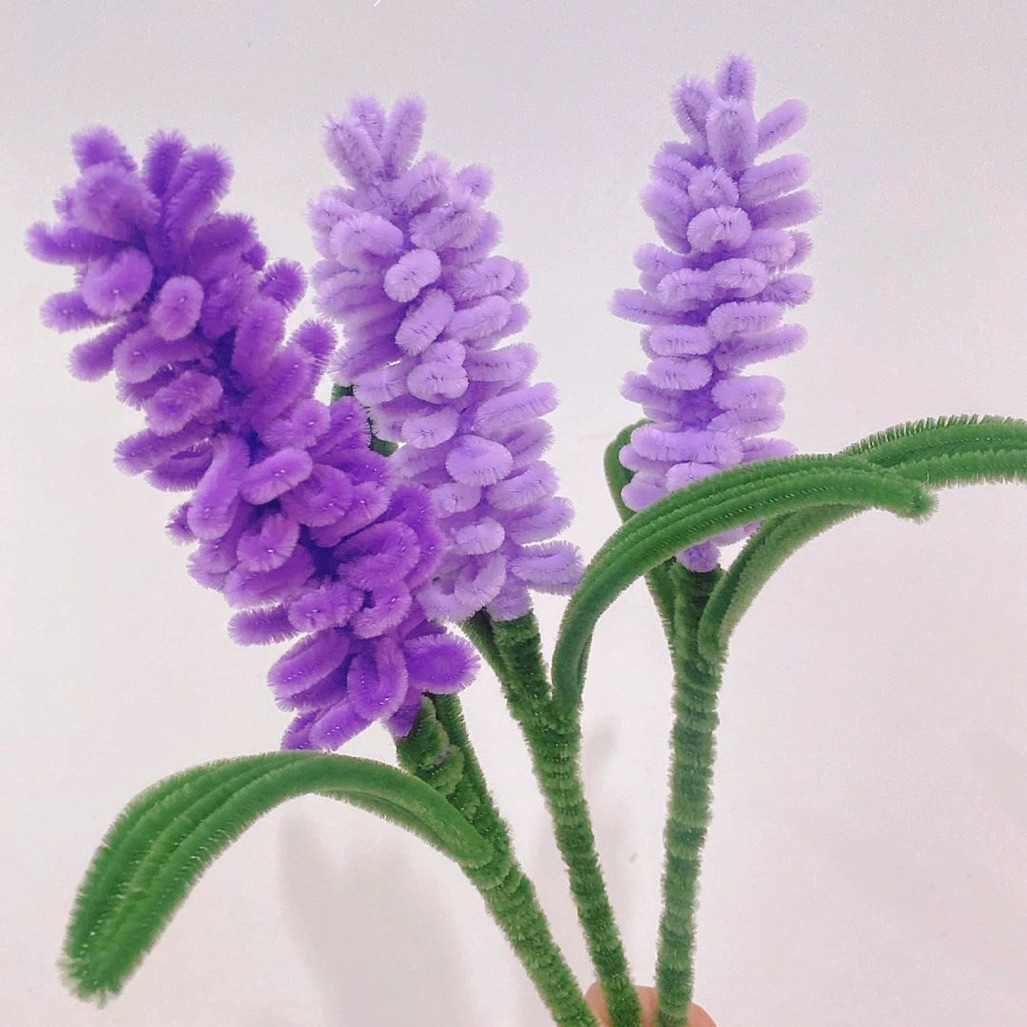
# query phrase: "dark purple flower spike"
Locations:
[[295, 521]]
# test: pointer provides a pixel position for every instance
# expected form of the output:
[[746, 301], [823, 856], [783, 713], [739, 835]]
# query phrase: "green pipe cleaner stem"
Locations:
[[696, 684], [478, 628], [555, 746], [680, 596], [936, 452], [438, 751]]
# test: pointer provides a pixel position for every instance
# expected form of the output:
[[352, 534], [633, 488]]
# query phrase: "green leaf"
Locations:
[[617, 475], [168, 835], [706, 508], [936, 452]]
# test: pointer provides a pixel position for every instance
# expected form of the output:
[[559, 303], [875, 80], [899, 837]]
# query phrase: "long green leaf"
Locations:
[[936, 452], [168, 835], [706, 508], [617, 475]]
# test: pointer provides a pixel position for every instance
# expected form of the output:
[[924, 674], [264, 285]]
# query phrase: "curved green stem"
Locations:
[[438, 751], [932, 452], [555, 746], [707, 507], [681, 596]]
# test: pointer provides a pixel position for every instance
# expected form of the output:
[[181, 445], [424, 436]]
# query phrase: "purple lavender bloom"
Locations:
[[713, 296], [296, 521], [410, 273]]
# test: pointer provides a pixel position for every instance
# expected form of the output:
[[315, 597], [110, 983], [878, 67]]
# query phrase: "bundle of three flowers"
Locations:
[[362, 530]]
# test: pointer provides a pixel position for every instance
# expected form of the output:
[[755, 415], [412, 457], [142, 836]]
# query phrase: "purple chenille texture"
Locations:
[[713, 296], [410, 273], [296, 521]]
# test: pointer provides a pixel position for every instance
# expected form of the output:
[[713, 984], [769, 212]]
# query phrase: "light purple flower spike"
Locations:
[[410, 273], [713, 296], [297, 522]]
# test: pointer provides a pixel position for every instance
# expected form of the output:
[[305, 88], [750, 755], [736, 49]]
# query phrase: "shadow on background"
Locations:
[[375, 943], [372, 939]]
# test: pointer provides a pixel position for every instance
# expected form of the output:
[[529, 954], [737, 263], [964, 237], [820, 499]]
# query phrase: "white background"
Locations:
[[869, 840]]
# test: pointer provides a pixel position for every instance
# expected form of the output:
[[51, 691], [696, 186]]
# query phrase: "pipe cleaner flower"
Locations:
[[409, 271], [713, 296], [297, 522]]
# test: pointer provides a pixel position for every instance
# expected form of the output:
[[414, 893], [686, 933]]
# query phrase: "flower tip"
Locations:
[[477, 180], [781, 123], [350, 145], [367, 110], [35, 240], [736, 77], [411, 104], [99, 145]]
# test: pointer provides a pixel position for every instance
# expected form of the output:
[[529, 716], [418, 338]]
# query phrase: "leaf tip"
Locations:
[[924, 504], [77, 979]]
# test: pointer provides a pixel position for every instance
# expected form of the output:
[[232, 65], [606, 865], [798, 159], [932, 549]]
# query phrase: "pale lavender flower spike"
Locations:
[[409, 272], [713, 296], [296, 521]]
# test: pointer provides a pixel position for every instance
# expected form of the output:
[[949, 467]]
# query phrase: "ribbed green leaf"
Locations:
[[706, 508], [617, 475], [168, 835], [938, 452], [940, 436]]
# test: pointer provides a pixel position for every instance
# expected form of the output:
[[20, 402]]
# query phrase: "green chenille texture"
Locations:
[[165, 839], [554, 742], [696, 685], [936, 452], [438, 739], [168, 835], [478, 629], [439, 751], [705, 508]]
